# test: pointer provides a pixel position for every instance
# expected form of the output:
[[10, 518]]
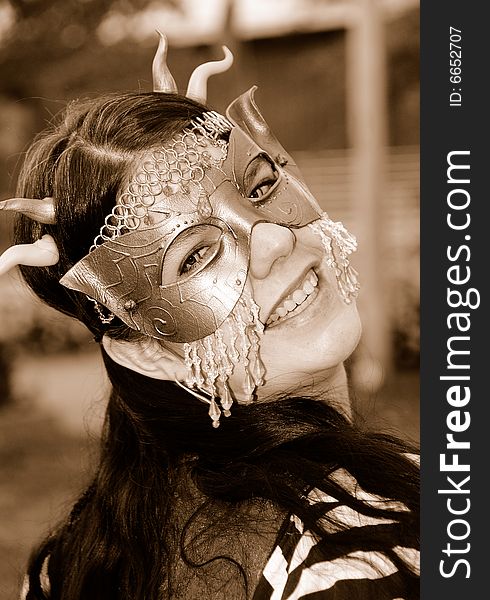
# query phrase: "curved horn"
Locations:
[[38, 210], [197, 88], [42, 253], [243, 111], [162, 78]]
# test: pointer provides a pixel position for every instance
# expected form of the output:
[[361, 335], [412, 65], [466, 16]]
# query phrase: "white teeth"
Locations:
[[299, 296], [308, 287], [296, 298]]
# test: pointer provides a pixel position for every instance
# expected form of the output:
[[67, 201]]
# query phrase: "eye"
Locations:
[[190, 253], [194, 259], [260, 177], [261, 190]]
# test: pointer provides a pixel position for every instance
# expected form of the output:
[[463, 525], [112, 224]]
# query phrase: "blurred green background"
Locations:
[[301, 54]]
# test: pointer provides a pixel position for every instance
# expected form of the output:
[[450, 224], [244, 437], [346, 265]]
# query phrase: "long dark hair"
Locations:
[[123, 537], [82, 163]]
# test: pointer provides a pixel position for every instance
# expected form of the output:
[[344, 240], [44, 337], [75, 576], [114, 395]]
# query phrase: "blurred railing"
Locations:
[[331, 178]]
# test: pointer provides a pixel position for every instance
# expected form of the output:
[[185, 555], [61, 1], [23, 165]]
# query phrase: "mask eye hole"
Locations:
[[260, 178], [191, 252], [194, 259]]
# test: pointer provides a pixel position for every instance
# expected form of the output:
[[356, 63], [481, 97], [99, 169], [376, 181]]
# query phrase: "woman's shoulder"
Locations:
[[350, 565], [223, 539]]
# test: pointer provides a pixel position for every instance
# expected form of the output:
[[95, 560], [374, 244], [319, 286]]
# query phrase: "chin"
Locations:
[[298, 357]]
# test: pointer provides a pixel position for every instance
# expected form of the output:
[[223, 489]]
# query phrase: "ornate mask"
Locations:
[[200, 193]]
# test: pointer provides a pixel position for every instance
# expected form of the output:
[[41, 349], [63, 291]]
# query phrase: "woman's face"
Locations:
[[309, 330], [213, 237]]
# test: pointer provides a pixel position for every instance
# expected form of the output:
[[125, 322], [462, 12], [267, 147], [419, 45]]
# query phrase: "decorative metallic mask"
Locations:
[[189, 193], [43, 252], [191, 196], [212, 360], [338, 243], [40, 210], [163, 80]]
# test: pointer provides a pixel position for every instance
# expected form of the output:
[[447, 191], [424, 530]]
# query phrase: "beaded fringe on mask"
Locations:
[[338, 244], [211, 361]]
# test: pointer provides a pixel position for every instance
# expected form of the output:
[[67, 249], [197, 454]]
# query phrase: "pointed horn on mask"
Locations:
[[41, 211], [162, 78], [42, 253], [197, 88], [243, 111]]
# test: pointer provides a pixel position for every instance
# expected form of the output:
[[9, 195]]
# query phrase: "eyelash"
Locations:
[[268, 180], [186, 267]]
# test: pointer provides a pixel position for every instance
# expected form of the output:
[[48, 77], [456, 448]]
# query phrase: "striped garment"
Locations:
[[297, 570]]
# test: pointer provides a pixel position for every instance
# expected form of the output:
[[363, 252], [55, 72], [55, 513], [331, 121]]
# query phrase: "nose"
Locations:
[[269, 243]]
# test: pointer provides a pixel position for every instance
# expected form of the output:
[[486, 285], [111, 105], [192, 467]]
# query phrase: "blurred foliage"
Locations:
[[37, 35], [406, 314], [5, 373], [53, 54], [30, 326], [47, 31], [42, 470], [402, 39]]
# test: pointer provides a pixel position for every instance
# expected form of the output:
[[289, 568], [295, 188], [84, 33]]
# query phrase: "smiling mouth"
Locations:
[[297, 301]]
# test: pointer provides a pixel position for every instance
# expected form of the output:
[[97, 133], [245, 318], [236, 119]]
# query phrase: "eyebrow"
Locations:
[[256, 165]]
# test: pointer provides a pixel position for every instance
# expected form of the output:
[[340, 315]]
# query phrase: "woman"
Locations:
[[192, 250]]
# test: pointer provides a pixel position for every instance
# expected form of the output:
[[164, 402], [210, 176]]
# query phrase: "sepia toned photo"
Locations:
[[209, 299]]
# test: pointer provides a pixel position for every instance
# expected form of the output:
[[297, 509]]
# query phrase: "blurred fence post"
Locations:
[[367, 123]]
